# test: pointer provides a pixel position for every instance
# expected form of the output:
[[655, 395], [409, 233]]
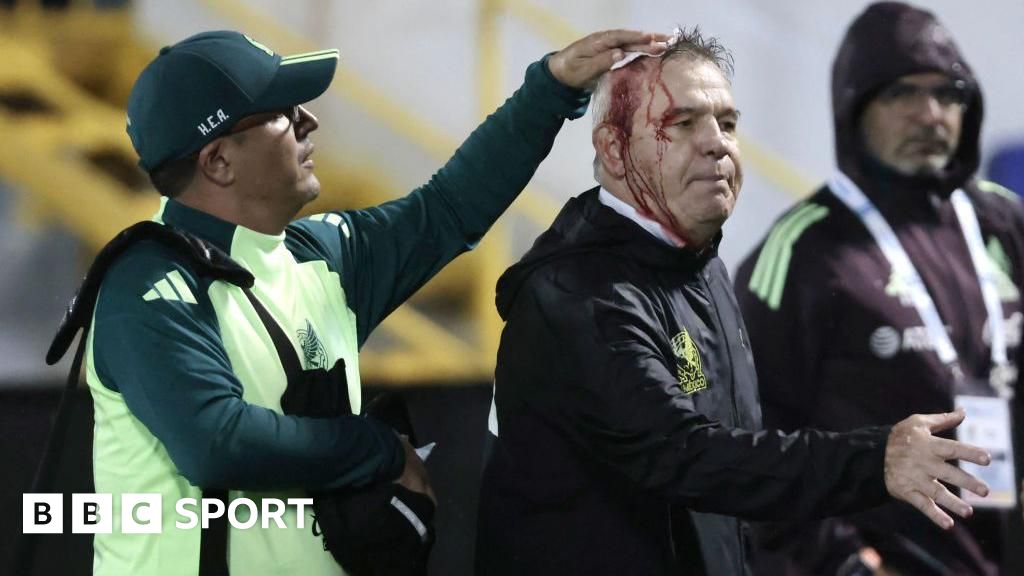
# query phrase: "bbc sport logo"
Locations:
[[142, 513]]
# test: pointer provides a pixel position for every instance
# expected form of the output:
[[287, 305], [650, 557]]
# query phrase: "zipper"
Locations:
[[704, 275]]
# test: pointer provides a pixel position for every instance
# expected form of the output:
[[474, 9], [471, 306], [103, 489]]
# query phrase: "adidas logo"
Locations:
[[769, 277], [171, 288], [333, 220]]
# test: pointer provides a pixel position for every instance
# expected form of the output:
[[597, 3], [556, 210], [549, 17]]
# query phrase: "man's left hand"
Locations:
[[580, 64], [916, 465]]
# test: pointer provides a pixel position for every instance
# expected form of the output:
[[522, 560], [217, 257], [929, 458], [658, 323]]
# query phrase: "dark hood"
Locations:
[[887, 41], [585, 225]]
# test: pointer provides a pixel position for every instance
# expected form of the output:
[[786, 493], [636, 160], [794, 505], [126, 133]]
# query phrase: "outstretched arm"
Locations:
[[618, 399]]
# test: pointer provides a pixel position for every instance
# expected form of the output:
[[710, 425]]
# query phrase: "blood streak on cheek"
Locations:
[[662, 140], [624, 104], [661, 137]]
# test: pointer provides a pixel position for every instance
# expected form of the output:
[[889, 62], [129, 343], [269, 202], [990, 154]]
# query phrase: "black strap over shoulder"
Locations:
[[315, 393], [213, 544], [289, 359], [207, 260]]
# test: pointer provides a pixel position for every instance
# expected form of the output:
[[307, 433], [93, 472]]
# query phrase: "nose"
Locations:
[[305, 124], [712, 141], [929, 110]]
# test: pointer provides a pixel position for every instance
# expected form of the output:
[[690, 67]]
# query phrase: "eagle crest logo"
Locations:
[[688, 364], [312, 349]]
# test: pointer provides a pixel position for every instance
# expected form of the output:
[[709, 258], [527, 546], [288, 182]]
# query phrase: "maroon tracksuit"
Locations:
[[835, 345]]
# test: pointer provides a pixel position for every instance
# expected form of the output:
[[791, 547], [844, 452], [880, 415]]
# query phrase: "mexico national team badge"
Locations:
[[316, 355], [688, 368]]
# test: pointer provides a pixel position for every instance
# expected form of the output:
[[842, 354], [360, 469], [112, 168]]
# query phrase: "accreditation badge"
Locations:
[[987, 426]]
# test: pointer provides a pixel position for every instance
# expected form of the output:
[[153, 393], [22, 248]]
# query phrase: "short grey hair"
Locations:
[[691, 43]]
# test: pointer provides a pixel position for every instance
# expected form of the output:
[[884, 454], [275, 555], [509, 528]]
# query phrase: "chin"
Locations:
[[936, 164], [726, 204], [923, 170], [922, 165], [311, 191]]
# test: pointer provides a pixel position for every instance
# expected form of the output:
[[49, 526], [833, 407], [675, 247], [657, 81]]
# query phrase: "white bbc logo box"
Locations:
[[42, 513], [143, 513], [91, 513]]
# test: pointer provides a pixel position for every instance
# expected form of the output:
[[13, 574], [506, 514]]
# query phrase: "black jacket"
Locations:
[[627, 414], [836, 343]]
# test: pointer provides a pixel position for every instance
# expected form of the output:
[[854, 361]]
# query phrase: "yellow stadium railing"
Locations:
[[68, 149], [83, 137]]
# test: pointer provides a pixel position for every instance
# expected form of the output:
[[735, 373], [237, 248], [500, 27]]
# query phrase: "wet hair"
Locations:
[[691, 44]]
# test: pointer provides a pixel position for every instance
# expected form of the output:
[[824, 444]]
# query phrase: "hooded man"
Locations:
[[625, 396], [894, 289]]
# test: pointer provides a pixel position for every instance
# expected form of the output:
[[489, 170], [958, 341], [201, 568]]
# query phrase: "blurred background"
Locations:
[[415, 78]]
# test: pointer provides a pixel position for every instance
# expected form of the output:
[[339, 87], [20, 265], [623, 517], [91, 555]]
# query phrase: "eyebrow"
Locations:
[[691, 110]]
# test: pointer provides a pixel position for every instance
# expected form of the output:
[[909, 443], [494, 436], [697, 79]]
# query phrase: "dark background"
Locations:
[[454, 417]]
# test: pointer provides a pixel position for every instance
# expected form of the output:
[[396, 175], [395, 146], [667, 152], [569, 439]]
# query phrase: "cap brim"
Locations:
[[299, 79]]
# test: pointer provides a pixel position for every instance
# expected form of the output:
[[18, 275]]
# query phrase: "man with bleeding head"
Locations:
[[665, 138], [626, 428]]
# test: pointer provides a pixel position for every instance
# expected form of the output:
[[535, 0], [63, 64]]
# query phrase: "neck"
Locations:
[[227, 205], [694, 239]]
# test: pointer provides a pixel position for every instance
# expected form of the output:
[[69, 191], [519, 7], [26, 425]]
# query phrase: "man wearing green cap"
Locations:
[[187, 371]]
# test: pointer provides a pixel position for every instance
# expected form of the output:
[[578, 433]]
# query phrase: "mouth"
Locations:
[[717, 180], [307, 158], [928, 146]]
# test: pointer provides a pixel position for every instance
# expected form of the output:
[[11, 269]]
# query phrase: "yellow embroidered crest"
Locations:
[[688, 366]]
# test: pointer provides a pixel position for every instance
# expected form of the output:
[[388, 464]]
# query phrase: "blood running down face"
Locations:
[[666, 143]]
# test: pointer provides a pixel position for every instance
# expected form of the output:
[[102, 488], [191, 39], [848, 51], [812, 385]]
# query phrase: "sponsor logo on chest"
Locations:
[[886, 342]]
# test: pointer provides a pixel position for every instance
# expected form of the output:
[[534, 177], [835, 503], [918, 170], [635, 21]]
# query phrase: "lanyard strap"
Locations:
[[843, 188], [984, 270]]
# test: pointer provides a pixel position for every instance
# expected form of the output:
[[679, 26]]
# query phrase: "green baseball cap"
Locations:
[[197, 89]]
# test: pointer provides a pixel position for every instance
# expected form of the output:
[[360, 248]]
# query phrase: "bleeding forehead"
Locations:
[[682, 82], [657, 87]]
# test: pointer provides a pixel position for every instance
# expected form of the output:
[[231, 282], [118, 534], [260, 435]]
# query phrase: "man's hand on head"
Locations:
[[580, 64], [917, 464]]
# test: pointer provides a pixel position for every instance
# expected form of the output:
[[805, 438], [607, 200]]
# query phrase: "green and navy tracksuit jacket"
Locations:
[[186, 380]]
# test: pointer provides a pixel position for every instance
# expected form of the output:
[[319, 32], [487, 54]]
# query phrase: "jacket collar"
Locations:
[[229, 237], [627, 211], [619, 234], [899, 197], [586, 226]]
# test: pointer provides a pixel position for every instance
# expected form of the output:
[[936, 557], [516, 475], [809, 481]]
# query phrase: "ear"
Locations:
[[609, 144], [215, 162]]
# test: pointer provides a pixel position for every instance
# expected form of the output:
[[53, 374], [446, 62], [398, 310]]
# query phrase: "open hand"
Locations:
[[916, 462], [580, 64]]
